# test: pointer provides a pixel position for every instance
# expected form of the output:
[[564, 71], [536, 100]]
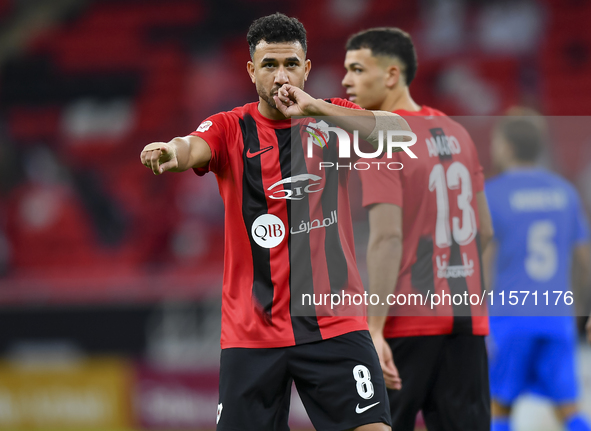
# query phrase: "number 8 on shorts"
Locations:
[[363, 378]]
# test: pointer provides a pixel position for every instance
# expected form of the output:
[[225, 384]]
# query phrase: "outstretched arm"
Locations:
[[384, 253], [177, 155]]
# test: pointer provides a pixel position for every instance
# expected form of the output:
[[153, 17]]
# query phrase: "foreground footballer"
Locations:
[[269, 186]]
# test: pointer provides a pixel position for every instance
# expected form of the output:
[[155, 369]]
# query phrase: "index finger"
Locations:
[[287, 89]]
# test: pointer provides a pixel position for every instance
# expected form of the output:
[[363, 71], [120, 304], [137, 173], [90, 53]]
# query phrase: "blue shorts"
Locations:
[[537, 363]]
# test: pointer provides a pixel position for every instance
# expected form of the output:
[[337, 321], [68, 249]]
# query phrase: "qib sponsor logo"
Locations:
[[268, 231]]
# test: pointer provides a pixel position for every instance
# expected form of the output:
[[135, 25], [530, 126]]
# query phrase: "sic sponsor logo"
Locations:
[[204, 127], [268, 231], [296, 193]]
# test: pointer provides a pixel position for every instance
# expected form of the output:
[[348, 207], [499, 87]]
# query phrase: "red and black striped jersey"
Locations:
[[270, 188], [441, 245]]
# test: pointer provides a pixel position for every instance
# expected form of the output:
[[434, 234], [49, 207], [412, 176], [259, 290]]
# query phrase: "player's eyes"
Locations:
[[357, 70], [268, 65], [292, 65]]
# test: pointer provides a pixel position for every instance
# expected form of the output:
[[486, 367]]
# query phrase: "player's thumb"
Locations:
[[171, 164]]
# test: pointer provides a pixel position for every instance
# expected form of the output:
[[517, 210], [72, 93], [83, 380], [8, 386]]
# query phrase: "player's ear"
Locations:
[[393, 75], [250, 70], [307, 67]]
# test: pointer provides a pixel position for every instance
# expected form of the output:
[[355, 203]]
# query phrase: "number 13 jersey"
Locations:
[[441, 245]]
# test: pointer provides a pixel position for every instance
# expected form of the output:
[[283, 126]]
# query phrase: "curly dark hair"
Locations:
[[276, 28], [390, 42]]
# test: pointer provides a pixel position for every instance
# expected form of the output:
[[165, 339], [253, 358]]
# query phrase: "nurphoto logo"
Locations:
[[319, 133]]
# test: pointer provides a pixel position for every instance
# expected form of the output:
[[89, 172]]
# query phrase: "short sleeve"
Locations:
[[213, 132], [344, 103], [380, 186], [581, 224]]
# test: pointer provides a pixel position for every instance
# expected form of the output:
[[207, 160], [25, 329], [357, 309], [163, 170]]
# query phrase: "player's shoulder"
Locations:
[[432, 112], [450, 123], [497, 183], [561, 182], [552, 179], [241, 111], [237, 113], [342, 102], [536, 178], [556, 178], [225, 119]]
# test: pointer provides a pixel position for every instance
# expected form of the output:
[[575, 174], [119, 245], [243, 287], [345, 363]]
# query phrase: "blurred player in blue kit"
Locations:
[[540, 232]]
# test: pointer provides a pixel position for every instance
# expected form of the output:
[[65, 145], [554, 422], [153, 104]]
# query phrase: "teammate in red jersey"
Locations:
[[265, 182], [429, 222]]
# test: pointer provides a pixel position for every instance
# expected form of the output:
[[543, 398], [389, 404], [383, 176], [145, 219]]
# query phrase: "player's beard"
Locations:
[[268, 96]]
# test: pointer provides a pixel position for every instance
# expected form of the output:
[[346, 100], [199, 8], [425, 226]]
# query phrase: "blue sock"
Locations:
[[577, 422], [501, 424]]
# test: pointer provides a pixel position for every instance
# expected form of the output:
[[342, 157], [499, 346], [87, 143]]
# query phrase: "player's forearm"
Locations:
[[190, 152], [384, 254], [350, 119], [354, 119], [376, 324], [485, 230], [488, 257], [486, 237]]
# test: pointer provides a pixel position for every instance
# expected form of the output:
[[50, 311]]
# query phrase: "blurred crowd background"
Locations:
[[110, 277]]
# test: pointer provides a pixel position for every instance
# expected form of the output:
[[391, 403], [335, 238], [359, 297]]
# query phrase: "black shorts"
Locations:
[[339, 381], [445, 376]]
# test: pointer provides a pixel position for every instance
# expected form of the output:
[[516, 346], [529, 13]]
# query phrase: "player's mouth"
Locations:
[[352, 97]]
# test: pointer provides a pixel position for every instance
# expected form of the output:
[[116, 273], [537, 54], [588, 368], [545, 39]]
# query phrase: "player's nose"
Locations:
[[281, 77], [346, 82]]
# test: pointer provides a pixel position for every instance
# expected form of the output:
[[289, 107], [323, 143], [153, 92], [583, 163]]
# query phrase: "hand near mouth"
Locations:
[[293, 101]]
